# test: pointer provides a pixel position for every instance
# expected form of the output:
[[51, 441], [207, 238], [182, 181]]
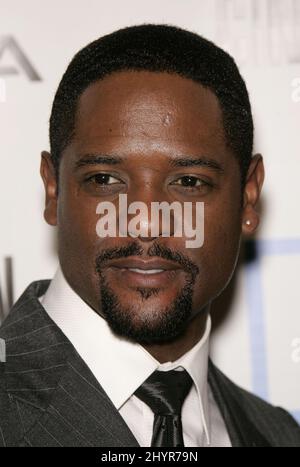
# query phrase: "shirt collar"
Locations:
[[112, 358]]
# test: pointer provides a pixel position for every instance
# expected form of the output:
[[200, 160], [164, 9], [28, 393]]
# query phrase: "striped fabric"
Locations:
[[49, 396]]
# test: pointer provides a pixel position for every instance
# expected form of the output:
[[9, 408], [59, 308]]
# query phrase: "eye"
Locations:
[[189, 181], [103, 179]]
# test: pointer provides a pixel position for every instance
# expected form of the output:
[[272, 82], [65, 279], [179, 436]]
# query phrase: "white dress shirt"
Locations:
[[121, 367]]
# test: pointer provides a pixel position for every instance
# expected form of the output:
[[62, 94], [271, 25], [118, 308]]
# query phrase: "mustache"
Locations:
[[135, 249]]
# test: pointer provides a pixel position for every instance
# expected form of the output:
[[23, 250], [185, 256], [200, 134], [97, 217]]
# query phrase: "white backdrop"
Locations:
[[258, 345]]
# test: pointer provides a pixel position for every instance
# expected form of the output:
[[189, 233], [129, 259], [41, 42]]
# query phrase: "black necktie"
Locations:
[[164, 392]]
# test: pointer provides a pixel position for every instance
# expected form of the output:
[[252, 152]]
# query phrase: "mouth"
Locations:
[[144, 272]]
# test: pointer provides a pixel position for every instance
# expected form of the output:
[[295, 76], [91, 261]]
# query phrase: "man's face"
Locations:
[[150, 130]]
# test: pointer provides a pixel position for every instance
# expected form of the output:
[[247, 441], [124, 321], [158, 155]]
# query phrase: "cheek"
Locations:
[[218, 256], [77, 227], [223, 228], [78, 244], [222, 250]]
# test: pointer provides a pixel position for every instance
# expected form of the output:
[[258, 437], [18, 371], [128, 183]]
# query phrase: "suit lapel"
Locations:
[[242, 431], [51, 390]]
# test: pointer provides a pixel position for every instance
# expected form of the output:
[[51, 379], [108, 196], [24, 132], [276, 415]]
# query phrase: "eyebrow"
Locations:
[[94, 159], [182, 161], [201, 161]]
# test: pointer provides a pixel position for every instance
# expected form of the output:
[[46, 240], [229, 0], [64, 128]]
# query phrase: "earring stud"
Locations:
[[248, 222]]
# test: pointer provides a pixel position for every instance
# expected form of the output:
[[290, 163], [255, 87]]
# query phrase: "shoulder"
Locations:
[[28, 336], [23, 309], [275, 423]]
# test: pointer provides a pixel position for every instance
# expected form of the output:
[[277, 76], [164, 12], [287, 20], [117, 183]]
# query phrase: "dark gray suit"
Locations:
[[49, 397]]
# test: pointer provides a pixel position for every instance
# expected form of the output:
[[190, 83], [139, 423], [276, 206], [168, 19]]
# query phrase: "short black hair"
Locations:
[[157, 48]]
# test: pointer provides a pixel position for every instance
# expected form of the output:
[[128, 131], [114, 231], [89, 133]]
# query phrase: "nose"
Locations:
[[148, 232], [150, 214]]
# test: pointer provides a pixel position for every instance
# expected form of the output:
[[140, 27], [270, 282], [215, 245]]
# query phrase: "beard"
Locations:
[[153, 325], [144, 322]]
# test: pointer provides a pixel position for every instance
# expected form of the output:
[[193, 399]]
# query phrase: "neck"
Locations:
[[171, 351]]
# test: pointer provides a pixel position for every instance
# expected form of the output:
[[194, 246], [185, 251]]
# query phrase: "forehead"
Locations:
[[148, 104]]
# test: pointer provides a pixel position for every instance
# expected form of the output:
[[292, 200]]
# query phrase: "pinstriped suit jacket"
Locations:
[[49, 397]]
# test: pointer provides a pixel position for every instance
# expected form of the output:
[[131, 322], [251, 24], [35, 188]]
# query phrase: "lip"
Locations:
[[144, 264], [128, 277]]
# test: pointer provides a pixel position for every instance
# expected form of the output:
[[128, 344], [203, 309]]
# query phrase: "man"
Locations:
[[114, 350]]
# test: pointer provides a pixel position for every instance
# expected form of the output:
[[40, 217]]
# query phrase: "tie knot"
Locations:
[[165, 391]]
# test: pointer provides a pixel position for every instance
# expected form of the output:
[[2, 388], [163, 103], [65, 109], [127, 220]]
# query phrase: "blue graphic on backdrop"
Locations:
[[255, 301]]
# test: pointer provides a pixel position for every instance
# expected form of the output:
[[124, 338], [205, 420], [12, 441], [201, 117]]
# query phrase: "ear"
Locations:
[[48, 175], [254, 181]]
